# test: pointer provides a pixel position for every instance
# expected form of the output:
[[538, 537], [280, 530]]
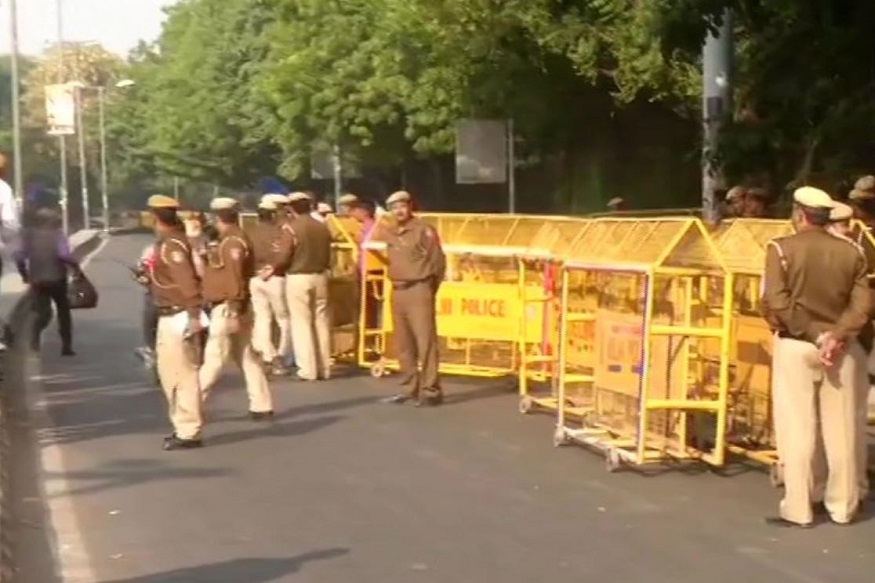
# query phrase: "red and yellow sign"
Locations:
[[484, 311]]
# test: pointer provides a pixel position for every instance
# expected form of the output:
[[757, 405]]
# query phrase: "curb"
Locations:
[[11, 397]]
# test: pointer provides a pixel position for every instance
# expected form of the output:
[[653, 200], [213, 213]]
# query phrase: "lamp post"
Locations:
[[62, 142], [83, 167], [16, 105], [104, 180]]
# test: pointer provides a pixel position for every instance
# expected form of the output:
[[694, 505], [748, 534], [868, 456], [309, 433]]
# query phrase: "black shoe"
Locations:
[[261, 415], [819, 509], [67, 352], [435, 400], [398, 399], [173, 443], [784, 523]]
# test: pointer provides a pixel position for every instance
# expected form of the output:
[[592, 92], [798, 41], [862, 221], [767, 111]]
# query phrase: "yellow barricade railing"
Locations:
[[644, 367]]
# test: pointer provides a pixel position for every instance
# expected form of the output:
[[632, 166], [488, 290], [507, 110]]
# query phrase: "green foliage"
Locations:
[[235, 89]]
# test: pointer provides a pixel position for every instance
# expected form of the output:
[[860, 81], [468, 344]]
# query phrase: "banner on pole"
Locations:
[[481, 151], [61, 110]]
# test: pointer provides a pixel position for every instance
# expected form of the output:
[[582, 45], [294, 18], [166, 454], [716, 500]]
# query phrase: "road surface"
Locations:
[[344, 489]]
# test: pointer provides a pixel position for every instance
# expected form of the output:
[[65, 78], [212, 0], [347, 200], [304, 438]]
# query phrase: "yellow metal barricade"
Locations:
[[644, 364], [742, 243], [490, 310]]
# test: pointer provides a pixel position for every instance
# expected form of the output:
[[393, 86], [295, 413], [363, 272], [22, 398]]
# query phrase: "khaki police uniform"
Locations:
[[175, 290], [307, 294], [815, 284], [228, 271], [417, 266], [271, 246]]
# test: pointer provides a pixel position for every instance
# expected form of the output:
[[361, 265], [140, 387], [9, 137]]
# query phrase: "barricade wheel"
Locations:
[[526, 405], [378, 369], [776, 475], [612, 460], [560, 438]]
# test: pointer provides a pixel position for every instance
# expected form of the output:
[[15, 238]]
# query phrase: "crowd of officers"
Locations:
[[818, 299], [218, 299]]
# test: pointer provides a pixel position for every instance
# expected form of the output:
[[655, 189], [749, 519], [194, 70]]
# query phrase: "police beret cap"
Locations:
[[400, 196], [267, 205], [814, 198], [841, 212], [298, 196], [160, 201], [324, 207], [223, 203], [348, 199], [277, 199], [616, 201]]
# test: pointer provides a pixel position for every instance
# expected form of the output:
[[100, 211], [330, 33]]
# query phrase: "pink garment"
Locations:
[[367, 232]]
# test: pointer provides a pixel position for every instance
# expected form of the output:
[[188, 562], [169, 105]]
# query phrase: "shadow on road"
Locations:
[[126, 473], [239, 570]]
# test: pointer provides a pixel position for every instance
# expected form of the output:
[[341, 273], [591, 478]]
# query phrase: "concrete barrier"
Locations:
[[14, 302]]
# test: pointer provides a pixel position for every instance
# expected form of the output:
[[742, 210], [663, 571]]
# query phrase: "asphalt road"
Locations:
[[344, 489]]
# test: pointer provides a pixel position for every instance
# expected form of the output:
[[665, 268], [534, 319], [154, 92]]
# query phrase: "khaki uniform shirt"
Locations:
[[311, 247], [173, 282], [229, 268], [414, 252], [271, 246], [814, 283]]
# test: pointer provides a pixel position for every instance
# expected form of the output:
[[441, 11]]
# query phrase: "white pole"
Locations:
[[62, 142], [16, 107], [83, 167], [104, 189]]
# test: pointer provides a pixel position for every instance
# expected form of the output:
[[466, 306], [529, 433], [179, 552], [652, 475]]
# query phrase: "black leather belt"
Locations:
[[169, 310], [408, 284]]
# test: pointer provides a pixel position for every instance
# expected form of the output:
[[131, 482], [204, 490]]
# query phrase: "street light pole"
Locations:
[[62, 142], [16, 107], [83, 169], [104, 194], [717, 104]]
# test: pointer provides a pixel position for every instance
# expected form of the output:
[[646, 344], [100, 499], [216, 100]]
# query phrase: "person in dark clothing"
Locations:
[[44, 261]]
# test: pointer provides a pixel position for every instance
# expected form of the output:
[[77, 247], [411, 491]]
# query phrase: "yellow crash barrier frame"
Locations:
[[651, 373], [742, 243], [490, 311]]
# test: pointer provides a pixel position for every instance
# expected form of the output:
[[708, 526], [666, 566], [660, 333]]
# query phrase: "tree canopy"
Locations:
[[605, 94]]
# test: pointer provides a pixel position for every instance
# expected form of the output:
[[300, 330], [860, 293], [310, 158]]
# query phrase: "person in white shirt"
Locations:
[[10, 223]]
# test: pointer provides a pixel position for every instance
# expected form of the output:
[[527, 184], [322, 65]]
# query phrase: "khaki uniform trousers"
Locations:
[[177, 361], [222, 345], [415, 325], [269, 304], [807, 398], [311, 324]]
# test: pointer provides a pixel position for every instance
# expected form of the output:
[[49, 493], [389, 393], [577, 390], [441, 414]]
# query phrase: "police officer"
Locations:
[[817, 299], [344, 204], [840, 220], [177, 295], [307, 290], [227, 273], [756, 203], [417, 266], [271, 246]]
